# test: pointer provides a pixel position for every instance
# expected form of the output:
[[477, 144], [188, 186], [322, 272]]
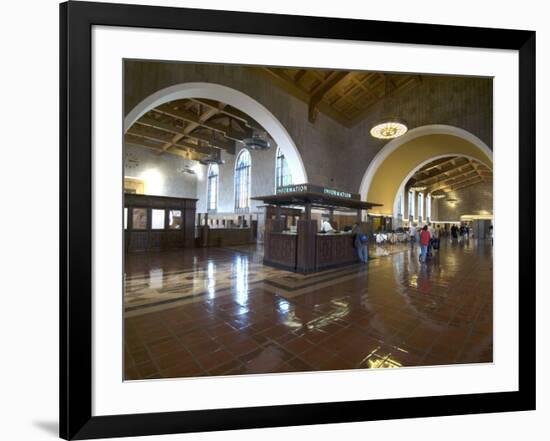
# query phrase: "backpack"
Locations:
[[363, 238]]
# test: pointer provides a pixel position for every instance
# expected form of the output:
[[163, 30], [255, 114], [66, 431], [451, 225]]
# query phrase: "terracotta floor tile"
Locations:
[[396, 313]]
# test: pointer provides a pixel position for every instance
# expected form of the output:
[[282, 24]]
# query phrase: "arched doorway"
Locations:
[[234, 98], [401, 158]]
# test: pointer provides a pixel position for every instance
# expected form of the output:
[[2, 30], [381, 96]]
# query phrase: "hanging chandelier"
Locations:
[[388, 127]]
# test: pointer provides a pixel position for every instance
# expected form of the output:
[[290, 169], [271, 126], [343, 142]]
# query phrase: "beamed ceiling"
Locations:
[[450, 174], [192, 128], [198, 128], [345, 96]]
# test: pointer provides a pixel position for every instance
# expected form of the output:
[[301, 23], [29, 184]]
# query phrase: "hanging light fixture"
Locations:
[[418, 188], [389, 126], [438, 195]]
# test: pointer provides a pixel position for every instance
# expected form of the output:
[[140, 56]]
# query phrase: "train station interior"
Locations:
[[283, 220]]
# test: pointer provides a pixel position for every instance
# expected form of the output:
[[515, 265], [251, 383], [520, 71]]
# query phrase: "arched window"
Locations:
[[428, 207], [420, 207], [213, 180], [282, 172], [242, 181], [400, 205], [410, 205]]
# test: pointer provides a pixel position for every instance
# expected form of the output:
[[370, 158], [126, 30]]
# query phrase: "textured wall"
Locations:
[[332, 154], [459, 102], [477, 199], [160, 173], [317, 143]]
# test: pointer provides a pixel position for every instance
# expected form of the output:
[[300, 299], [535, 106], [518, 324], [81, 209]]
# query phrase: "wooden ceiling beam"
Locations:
[[146, 133], [449, 173], [320, 91], [469, 184], [151, 122], [438, 165], [230, 111], [286, 83], [152, 135], [217, 143], [190, 117], [454, 185]]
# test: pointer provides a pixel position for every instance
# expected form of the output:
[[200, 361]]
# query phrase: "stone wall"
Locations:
[[477, 200], [461, 102], [332, 154], [318, 143]]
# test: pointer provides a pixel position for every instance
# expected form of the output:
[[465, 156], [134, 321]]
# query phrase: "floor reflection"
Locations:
[[221, 312]]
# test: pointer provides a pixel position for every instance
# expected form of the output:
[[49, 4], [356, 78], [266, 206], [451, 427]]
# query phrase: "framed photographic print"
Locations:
[[274, 220]]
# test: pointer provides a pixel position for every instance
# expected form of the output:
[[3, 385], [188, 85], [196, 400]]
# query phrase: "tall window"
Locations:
[[242, 181], [213, 180], [420, 207], [411, 205], [282, 172], [429, 207], [400, 203]]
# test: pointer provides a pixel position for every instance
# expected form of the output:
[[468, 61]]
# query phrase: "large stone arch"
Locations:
[[390, 168], [234, 98]]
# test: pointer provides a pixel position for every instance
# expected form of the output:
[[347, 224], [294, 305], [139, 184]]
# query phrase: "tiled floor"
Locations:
[[221, 312]]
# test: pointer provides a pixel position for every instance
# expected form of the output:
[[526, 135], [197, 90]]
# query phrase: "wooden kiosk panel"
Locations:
[[142, 237], [334, 250]]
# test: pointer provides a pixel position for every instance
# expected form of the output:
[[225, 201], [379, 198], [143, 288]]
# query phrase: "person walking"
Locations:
[[424, 242], [360, 241]]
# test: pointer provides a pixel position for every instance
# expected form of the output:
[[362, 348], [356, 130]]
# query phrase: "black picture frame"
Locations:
[[76, 21]]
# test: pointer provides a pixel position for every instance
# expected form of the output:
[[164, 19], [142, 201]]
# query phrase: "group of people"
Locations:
[[462, 232], [428, 239]]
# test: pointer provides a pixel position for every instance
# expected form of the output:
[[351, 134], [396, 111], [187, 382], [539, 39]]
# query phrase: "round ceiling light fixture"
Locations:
[[389, 129]]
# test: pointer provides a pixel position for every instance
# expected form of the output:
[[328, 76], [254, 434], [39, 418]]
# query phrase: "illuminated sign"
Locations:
[[340, 194], [302, 188], [310, 188]]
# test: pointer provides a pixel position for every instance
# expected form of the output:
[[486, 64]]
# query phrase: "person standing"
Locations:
[[454, 233], [412, 233], [436, 238], [424, 243], [360, 241], [430, 245]]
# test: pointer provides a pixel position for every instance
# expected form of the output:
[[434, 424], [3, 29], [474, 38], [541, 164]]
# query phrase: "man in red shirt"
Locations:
[[424, 242]]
